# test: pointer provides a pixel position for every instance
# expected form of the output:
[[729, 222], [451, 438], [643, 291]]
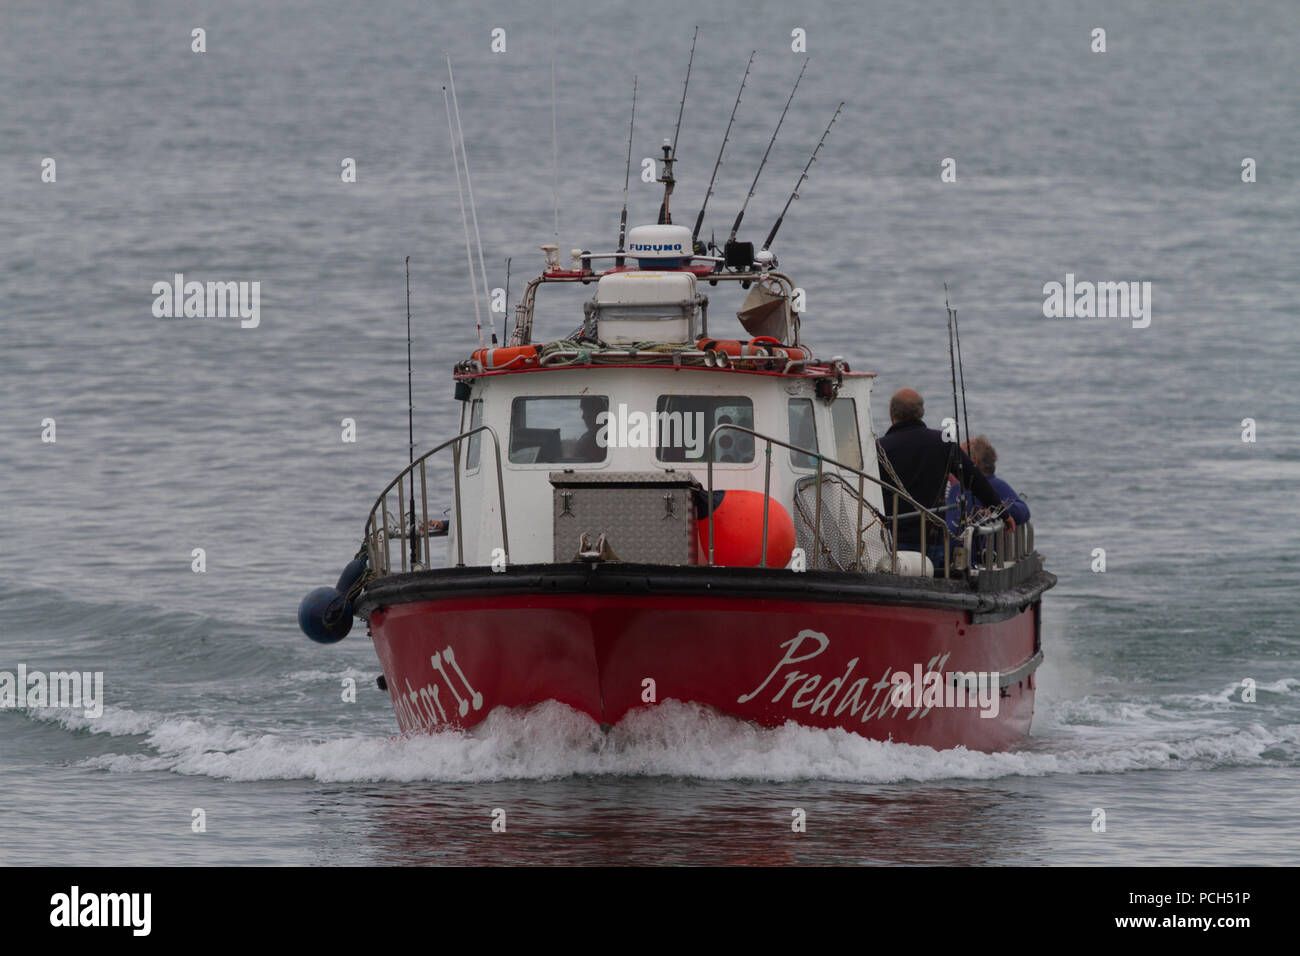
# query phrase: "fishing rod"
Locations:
[[670, 149], [794, 194], [735, 226], [952, 361], [699, 220], [627, 175], [681, 108], [961, 375], [410, 413], [503, 321]]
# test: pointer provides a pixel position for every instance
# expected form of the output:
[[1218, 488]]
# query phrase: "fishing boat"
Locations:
[[682, 501]]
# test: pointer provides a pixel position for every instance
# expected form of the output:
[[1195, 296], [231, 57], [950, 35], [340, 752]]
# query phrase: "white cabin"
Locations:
[[632, 420]]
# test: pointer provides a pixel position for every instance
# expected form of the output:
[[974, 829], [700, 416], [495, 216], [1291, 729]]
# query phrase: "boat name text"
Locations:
[[919, 689]]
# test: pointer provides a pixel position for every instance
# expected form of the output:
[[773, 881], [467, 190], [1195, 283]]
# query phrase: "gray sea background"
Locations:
[[176, 434]]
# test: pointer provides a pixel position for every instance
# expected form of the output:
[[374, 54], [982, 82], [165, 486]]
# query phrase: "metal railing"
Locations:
[[998, 548], [522, 333], [379, 536], [1001, 548]]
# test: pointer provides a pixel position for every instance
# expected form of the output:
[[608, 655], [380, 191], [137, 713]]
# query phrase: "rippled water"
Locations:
[[174, 434]]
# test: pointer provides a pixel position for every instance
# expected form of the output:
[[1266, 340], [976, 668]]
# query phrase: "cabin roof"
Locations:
[[463, 373]]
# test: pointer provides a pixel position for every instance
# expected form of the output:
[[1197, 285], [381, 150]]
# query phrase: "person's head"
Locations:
[[906, 406], [981, 452], [591, 407]]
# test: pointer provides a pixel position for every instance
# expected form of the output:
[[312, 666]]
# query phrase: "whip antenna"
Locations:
[[627, 176], [469, 256], [795, 192], [555, 139], [754, 185], [410, 412], [699, 220], [469, 188], [410, 401]]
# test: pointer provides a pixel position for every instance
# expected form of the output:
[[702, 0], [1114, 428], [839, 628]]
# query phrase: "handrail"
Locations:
[[925, 513], [999, 548], [379, 560], [522, 333]]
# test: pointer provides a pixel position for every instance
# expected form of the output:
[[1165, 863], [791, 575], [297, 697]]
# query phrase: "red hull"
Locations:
[[448, 662]]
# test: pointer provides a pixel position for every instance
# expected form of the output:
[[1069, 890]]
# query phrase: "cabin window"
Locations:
[[557, 429], [848, 447], [681, 426], [475, 443], [803, 432]]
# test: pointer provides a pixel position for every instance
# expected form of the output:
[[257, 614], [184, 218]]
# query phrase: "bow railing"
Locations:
[[413, 536]]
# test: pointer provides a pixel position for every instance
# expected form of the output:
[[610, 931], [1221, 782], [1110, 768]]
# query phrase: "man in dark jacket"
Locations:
[[923, 461]]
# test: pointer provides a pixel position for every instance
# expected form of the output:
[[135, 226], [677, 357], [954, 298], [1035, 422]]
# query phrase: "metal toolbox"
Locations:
[[646, 517]]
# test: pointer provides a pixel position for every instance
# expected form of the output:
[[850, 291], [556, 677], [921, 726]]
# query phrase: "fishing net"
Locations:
[[838, 542]]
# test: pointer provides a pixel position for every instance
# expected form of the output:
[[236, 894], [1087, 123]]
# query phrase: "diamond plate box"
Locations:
[[647, 517]]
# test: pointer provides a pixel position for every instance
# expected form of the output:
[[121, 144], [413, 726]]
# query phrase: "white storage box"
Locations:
[[647, 307]]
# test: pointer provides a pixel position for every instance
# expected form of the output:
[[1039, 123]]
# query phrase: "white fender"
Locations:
[[910, 563]]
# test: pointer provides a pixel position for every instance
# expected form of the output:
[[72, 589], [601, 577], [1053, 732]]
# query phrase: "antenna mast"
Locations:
[[627, 176], [795, 192], [735, 226], [699, 220]]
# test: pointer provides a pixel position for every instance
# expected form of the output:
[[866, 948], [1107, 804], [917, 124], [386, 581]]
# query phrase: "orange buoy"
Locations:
[[508, 357], [738, 531]]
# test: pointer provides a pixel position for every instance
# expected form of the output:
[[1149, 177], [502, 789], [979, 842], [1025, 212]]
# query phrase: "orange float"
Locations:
[[759, 347], [738, 531], [518, 356]]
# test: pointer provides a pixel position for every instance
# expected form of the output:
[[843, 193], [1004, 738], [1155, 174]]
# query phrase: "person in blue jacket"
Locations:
[[982, 453]]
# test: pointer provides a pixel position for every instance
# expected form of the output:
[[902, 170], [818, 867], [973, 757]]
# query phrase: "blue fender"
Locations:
[[325, 616]]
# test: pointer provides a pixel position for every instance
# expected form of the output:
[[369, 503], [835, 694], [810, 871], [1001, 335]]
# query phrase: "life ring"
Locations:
[[757, 348]]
